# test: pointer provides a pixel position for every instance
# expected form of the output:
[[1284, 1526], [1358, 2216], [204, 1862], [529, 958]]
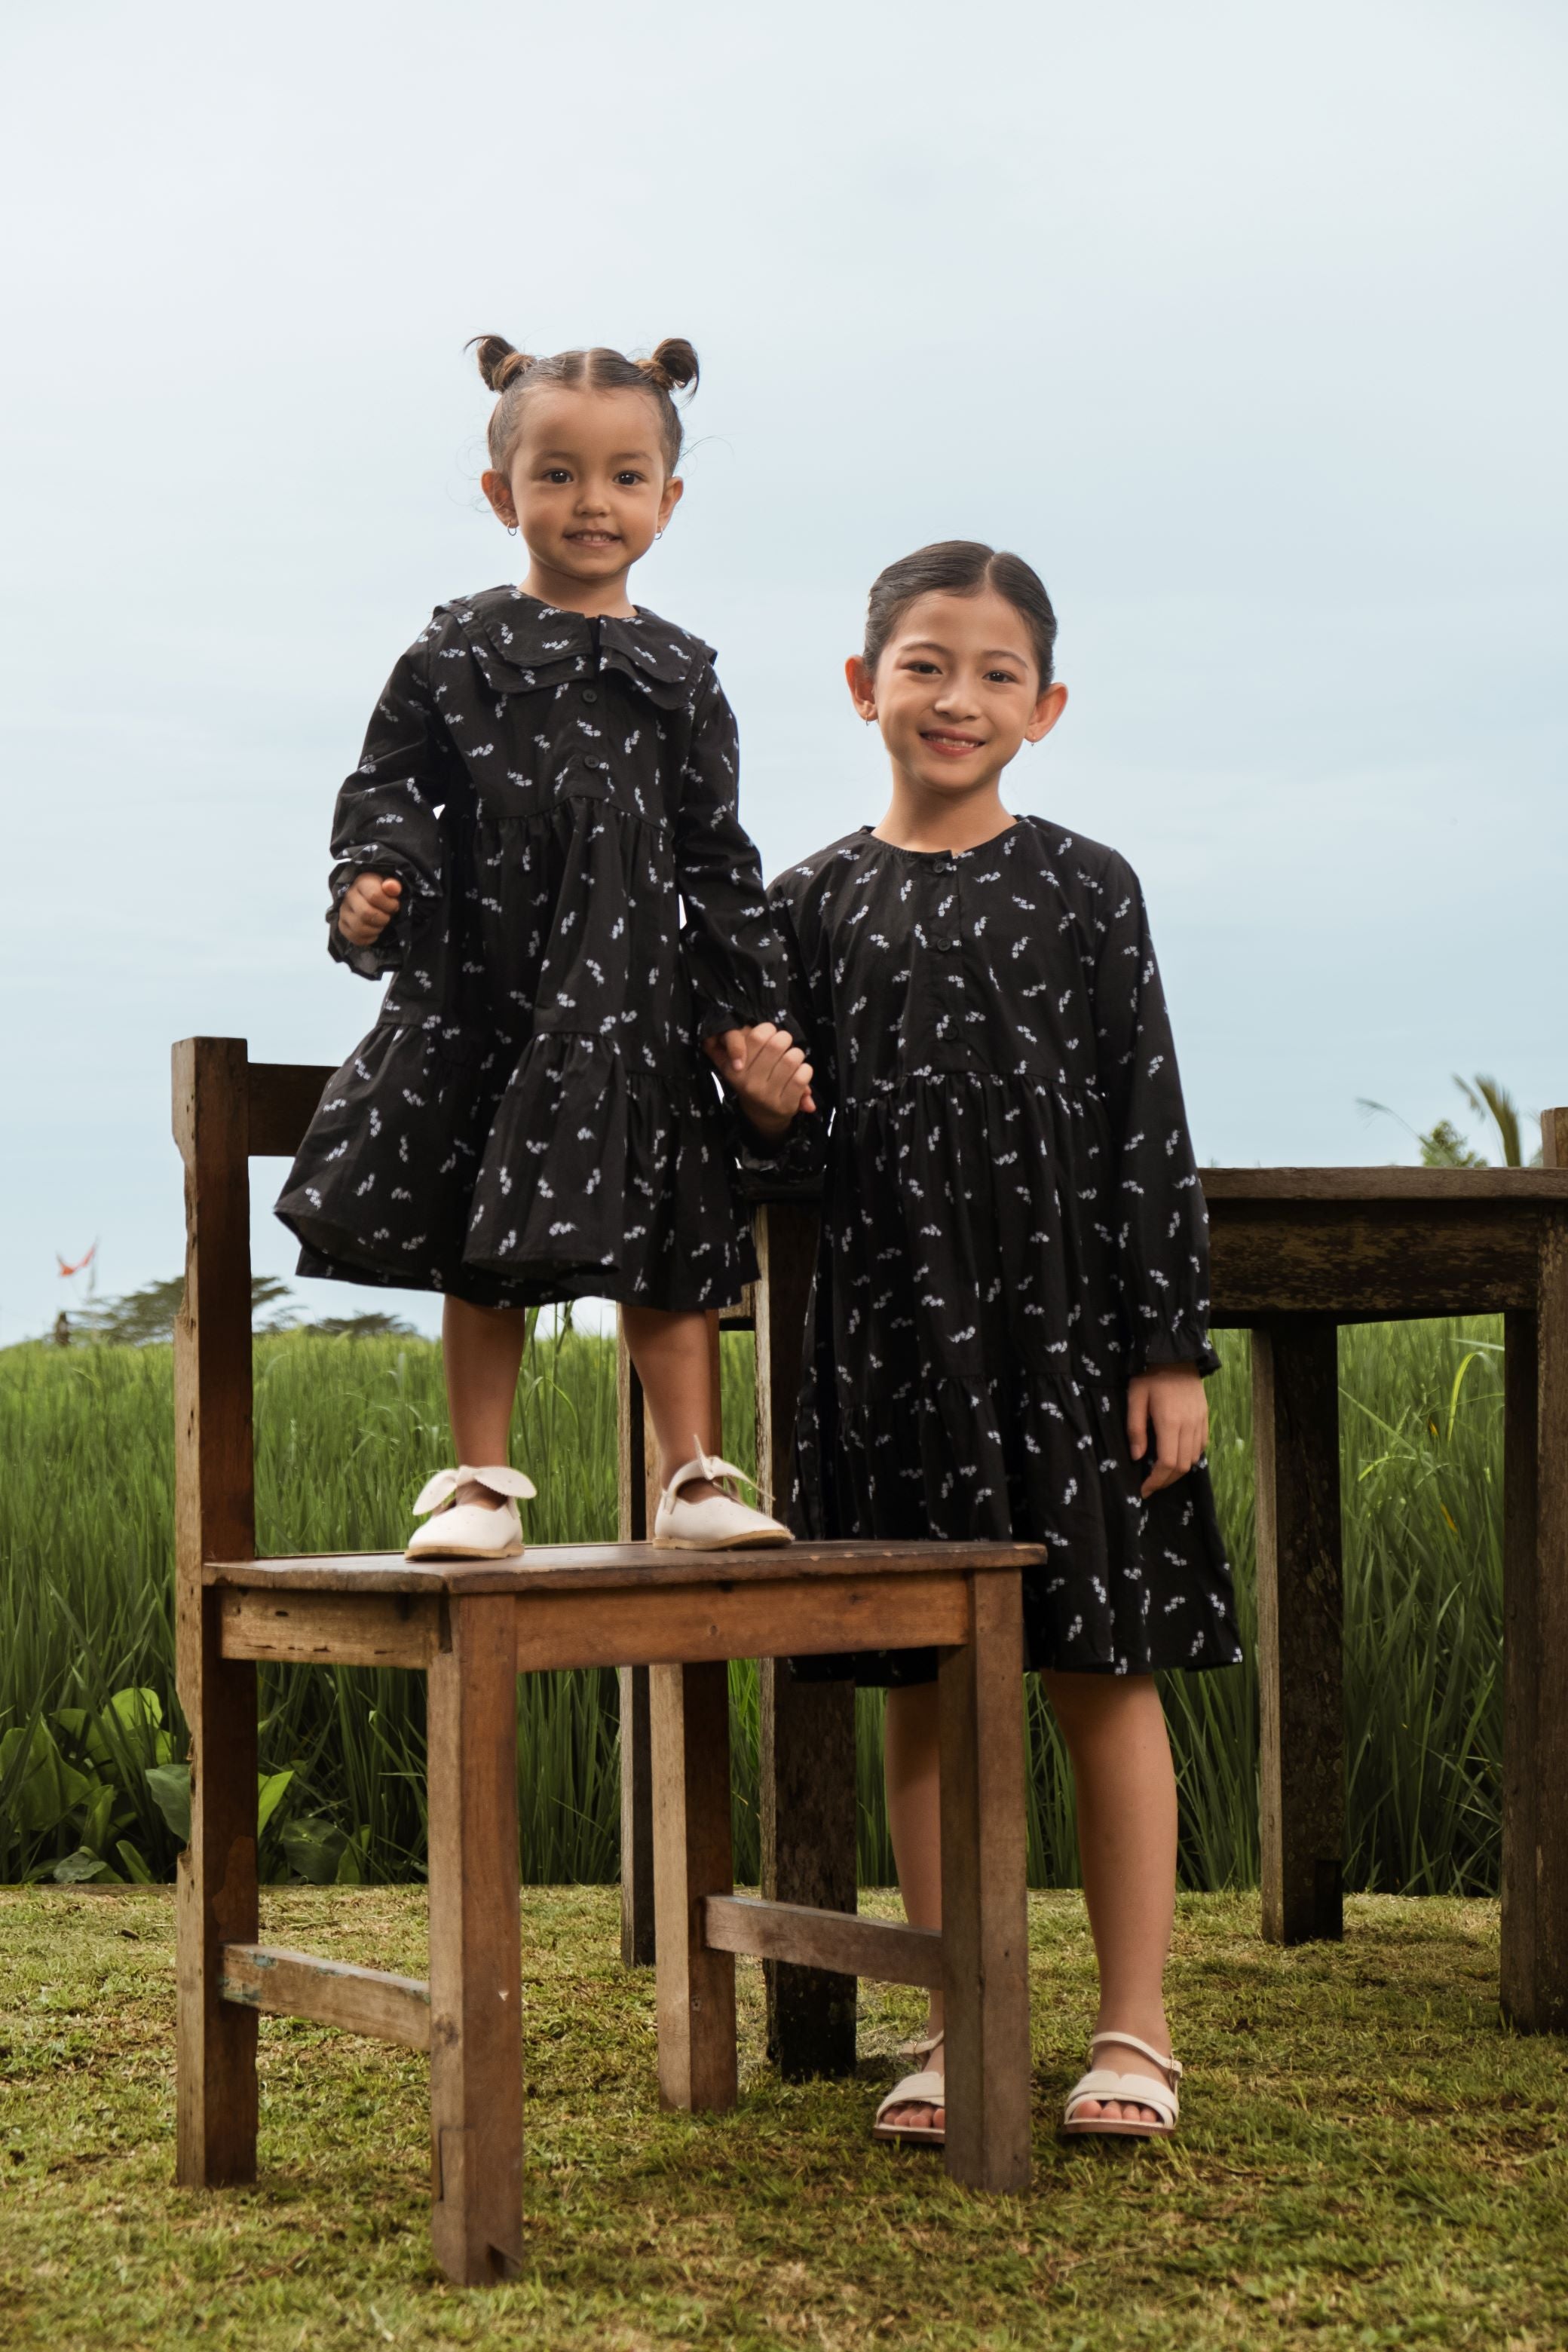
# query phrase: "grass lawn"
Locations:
[[1366, 2158]]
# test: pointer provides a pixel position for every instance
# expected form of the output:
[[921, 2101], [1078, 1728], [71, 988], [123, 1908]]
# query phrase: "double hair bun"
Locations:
[[671, 367]]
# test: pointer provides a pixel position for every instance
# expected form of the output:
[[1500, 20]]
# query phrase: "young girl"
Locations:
[[548, 778], [1010, 1315]]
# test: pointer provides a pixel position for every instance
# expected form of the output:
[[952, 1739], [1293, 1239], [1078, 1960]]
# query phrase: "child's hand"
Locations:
[[1172, 1400], [768, 1072], [368, 904]]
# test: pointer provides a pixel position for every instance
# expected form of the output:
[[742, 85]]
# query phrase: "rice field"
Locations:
[[92, 1783]]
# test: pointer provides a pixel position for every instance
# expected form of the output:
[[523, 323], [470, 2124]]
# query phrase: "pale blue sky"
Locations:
[[1242, 322]]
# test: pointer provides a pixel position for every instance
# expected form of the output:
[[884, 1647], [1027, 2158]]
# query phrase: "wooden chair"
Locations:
[[471, 1630]]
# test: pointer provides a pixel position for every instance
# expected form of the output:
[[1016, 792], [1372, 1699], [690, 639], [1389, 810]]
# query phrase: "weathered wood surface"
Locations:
[[985, 1918], [680, 1625], [1521, 1789], [808, 1806], [823, 1942], [630, 1569], [694, 1985], [284, 1098], [1344, 1186], [282, 1983], [333, 1627], [1374, 1261], [1301, 1770], [216, 1900], [475, 1954]]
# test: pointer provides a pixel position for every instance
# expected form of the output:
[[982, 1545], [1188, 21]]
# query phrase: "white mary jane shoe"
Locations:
[[468, 1530], [719, 1522]]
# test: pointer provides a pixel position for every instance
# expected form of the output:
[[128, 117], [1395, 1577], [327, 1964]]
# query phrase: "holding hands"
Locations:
[[367, 905], [768, 1071]]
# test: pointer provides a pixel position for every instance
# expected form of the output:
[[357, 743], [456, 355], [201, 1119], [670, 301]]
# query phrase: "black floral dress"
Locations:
[[1012, 1226], [531, 1116]]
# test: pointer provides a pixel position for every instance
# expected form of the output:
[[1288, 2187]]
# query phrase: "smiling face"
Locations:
[[956, 693], [586, 486]]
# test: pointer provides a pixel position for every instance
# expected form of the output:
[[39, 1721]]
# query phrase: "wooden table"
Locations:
[[1295, 1252]]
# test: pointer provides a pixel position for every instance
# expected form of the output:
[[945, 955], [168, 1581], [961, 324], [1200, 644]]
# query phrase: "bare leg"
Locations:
[[911, 1754], [672, 1355], [1115, 1730], [482, 1349]]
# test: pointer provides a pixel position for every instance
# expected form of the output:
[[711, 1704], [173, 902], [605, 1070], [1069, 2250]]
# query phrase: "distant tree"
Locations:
[[143, 1316], [372, 1326], [1443, 1146]]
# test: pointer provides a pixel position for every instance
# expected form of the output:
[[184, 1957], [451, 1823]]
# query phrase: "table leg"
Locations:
[[475, 1960], [690, 1723], [1300, 1632], [984, 1907], [809, 1804], [216, 1903], [1534, 1986]]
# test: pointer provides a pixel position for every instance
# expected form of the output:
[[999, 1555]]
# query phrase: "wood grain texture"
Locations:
[[1445, 1187], [1554, 1138], [629, 1567], [695, 1987], [1521, 1791], [339, 1629], [685, 1625], [984, 1938], [823, 1942], [475, 1960], [1377, 1260], [1301, 1772], [284, 1098], [216, 1900], [1550, 2011], [808, 1803], [282, 1983]]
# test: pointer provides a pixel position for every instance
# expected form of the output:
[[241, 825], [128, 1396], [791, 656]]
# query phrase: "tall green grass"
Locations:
[[348, 1429]]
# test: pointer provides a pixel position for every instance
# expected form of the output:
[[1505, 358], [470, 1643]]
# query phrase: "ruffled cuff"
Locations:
[[790, 1166], [1159, 1340], [387, 950]]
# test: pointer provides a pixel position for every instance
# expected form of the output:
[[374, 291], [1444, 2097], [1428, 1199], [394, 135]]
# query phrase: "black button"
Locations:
[[590, 694], [947, 943]]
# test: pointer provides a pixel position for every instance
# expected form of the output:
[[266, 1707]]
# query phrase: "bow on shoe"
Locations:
[[437, 1492], [717, 1473]]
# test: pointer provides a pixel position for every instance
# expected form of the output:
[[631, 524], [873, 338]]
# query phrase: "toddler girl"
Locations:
[[1009, 1325], [548, 781]]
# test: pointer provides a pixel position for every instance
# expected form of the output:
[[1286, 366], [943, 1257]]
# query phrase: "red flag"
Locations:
[[80, 1263]]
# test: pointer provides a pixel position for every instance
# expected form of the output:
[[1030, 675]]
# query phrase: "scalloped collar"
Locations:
[[520, 643]]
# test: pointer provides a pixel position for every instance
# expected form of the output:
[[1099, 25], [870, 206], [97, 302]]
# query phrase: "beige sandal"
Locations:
[[924, 2090], [1104, 2082]]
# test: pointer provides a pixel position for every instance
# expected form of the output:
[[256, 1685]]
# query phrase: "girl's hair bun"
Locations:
[[673, 365], [499, 364]]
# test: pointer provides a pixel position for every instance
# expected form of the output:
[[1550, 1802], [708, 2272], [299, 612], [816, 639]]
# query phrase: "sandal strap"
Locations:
[[1104, 2082], [921, 2049], [437, 1492], [916, 2091], [1172, 2066]]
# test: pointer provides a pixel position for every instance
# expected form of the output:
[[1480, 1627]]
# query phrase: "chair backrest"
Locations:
[[227, 1110]]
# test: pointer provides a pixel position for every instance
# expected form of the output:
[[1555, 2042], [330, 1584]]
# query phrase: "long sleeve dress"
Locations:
[[531, 1116], [1012, 1228]]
